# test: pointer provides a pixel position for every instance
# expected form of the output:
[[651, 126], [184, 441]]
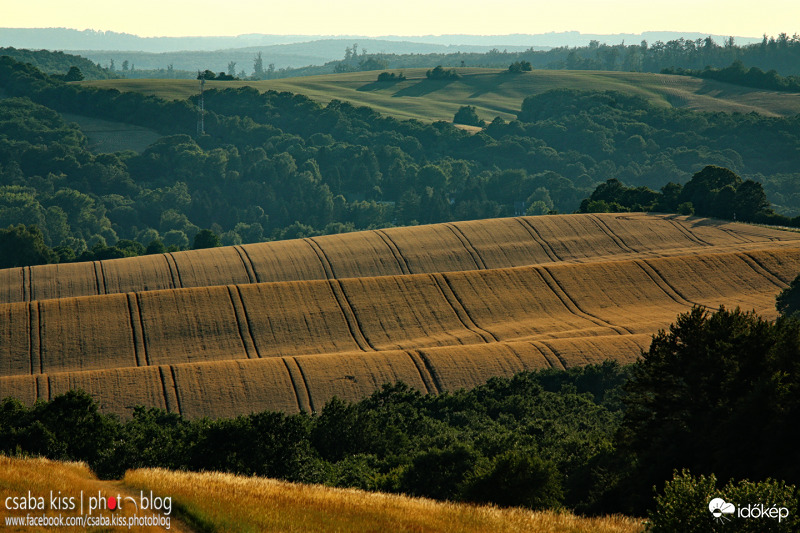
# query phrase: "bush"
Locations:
[[687, 503], [439, 73], [468, 115], [520, 66], [519, 479], [390, 77]]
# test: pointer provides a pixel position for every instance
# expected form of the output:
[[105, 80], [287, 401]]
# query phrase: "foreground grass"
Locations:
[[492, 91], [19, 477], [224, 502]]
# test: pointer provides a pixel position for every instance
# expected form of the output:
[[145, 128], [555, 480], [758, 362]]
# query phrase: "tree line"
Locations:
[[713, 192], [780, 53], [713, 400], [738, 74]]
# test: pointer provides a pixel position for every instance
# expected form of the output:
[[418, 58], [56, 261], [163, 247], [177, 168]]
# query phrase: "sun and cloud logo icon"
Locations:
[[719, 508]]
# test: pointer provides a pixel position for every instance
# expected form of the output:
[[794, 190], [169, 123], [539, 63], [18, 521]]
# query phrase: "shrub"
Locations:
[[468, 115], [439, 73], [519, 479], [687, 502]]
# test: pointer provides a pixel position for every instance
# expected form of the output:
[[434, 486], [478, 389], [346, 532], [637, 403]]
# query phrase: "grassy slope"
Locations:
[[491, 91], [258, 504], [223, 502], [38, 476]]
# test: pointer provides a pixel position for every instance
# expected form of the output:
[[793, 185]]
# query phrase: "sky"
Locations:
[[149, 18]]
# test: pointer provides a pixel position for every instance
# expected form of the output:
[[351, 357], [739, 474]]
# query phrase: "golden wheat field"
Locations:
[[222, 502], [258, 504], [288, 325], [65, 489]]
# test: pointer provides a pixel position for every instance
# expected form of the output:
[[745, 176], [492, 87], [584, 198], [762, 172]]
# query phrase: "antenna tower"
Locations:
[[201, 126]]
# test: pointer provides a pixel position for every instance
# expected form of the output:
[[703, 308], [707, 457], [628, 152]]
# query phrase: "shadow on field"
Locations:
[[378, 85], [488, 83], [423, 88]]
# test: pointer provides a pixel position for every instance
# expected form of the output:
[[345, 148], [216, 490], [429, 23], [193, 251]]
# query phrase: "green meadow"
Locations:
[[492, 92]]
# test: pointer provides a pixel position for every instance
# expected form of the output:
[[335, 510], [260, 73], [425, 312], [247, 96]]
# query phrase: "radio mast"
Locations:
[[201, 126]]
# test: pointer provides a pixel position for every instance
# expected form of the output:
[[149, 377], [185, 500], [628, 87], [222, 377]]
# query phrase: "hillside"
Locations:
[[493, 92], [106, 136], [238, 504], [288, 325]]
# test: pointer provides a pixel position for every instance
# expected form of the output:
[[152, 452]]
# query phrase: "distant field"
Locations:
[[493, 92], [288, 325]]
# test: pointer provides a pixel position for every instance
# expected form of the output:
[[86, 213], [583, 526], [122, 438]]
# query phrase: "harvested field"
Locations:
[[288, 325]]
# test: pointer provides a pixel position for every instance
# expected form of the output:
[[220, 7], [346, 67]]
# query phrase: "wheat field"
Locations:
[[288, 325], [24, 478], [224, 502]]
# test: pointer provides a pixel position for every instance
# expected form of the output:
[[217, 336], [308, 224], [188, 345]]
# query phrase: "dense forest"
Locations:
[[277, 165], [737, 74], [58, 63], [715, 395]]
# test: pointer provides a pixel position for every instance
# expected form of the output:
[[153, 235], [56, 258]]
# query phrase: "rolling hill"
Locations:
[[288, 325], [493, 92], [212, 501]]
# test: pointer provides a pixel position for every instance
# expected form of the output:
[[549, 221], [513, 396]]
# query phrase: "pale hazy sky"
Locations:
[[750, 18]]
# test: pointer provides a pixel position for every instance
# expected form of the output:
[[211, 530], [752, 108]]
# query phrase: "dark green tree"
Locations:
[[519, 479], [205, 238], [74, 74], [716, 386], [788, 300], [468, 115], [24, 246]]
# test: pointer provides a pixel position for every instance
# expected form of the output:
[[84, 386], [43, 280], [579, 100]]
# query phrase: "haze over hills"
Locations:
[[72, 39], [287, 55]]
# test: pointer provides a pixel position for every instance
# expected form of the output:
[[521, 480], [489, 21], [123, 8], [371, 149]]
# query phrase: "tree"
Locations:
[[24, 246], [788, 300], [205, 238], [520, 66], [468, 115], [155, 247], [258, 66], [232, 69], [750, 201], [74, 74], [714, 394], [519, 479], [439, 73]]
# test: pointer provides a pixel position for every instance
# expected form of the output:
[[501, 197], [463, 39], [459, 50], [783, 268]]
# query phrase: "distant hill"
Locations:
[[493, 92], [292, 55], [70, 39], [58, 62]]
